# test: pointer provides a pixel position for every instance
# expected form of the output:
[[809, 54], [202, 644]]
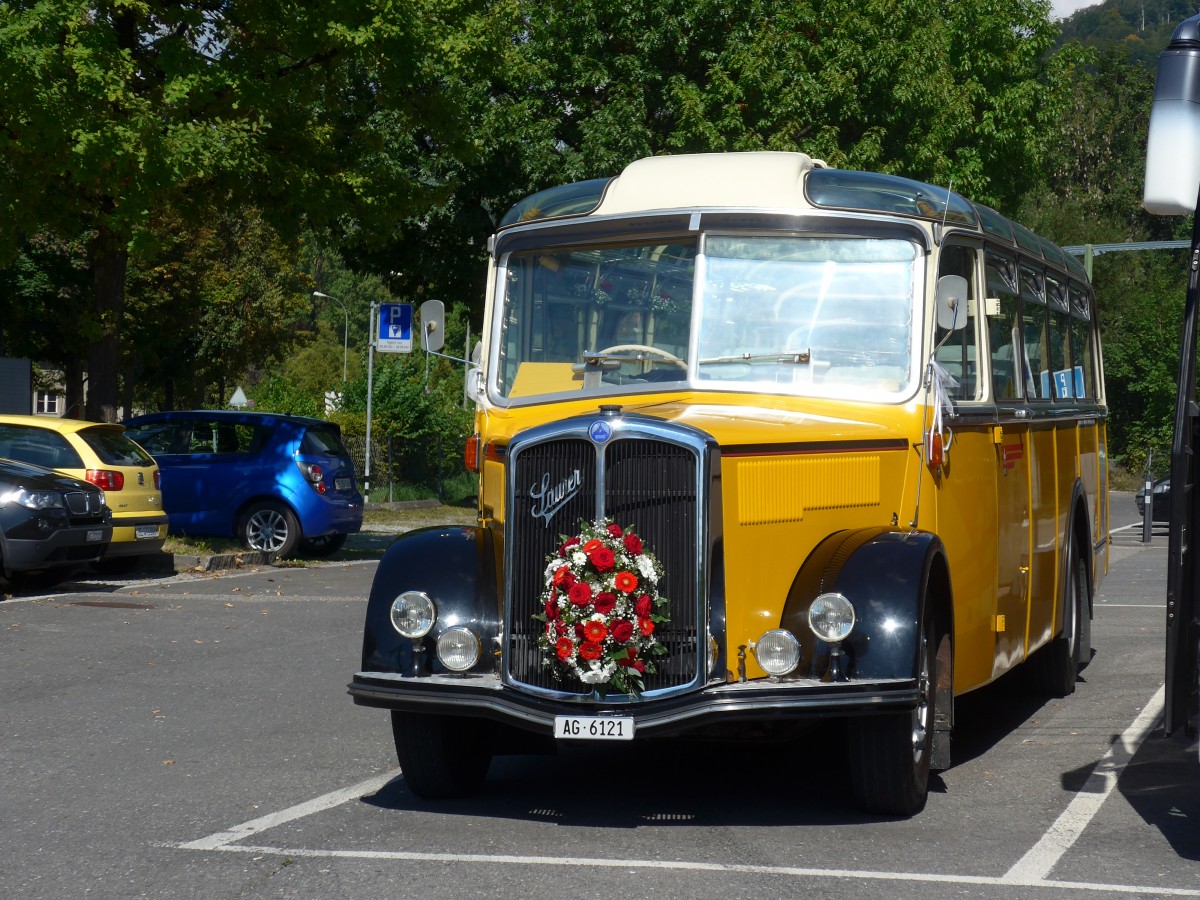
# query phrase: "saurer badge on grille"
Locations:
[[549, 500]]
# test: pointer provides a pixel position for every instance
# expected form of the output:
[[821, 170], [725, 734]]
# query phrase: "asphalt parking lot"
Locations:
[[191, 737]]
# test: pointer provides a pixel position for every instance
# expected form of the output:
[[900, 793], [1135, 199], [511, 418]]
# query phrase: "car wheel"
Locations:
[[271, 528], [442, 756], [326, 545]]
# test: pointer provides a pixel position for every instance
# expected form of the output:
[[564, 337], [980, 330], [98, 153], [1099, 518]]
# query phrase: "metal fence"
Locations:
[[421, 466]]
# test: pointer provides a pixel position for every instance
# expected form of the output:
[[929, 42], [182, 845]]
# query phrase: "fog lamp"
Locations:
[[777, 652], [831, 617], [413, 614], [458, 649]]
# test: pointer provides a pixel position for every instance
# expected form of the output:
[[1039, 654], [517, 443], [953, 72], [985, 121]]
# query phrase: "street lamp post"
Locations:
[[345, 331]]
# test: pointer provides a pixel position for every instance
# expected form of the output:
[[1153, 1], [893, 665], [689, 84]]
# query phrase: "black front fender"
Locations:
[[456, 567], [885, 575]]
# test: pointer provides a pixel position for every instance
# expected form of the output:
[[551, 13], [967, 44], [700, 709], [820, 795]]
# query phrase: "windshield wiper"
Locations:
[[799, 358]]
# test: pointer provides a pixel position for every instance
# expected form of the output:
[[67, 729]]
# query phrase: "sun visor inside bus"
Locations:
[[1173, 146]]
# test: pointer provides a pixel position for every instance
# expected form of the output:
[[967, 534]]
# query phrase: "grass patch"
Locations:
[[395, 520]]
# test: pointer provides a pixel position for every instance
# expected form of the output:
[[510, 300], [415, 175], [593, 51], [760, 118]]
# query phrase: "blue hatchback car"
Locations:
[[282, 484]]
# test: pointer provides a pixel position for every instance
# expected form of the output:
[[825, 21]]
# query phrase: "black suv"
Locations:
[[48, 520]]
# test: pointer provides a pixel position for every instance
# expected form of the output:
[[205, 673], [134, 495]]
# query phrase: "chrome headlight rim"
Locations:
[[413, 614], [831, 617], [459, 649], [777, 652]]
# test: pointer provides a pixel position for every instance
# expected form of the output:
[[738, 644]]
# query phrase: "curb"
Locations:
[[170, 564], [223, 561]]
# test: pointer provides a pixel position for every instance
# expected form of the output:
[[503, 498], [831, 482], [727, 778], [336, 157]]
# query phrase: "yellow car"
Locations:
[[105, 456]]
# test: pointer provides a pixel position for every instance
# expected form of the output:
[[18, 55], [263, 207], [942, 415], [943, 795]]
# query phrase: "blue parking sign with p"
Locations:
[[395, 328]]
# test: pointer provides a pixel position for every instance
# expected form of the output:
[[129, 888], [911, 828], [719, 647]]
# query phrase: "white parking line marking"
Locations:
[[1030, 871], [219, 839], [684, 866], [1035, 865]]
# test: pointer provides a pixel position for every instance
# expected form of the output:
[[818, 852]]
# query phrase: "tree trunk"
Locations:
[[73, 389], [109, 256]]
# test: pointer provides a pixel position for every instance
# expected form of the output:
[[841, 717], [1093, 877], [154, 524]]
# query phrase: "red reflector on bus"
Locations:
[[471, 453], [934, 450]]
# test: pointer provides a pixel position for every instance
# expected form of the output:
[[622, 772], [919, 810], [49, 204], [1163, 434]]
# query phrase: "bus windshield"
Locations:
[[825, 316]]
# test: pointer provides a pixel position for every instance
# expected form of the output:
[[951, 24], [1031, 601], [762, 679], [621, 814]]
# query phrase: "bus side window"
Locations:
[[1004, 340], [959, 356]]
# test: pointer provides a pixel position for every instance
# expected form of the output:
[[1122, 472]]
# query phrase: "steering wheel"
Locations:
[[643, 348]]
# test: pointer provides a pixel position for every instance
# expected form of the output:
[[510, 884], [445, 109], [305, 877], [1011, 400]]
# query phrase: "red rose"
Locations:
[[567, 545], [551, 609], [633, 544], [625, 662], [560, 627], [615, 530], [594, 631], [646, 627], [604, 603], [626, 582], [579, 630], [622, 630], [564, 649], [602, 558], [580, 593], [631, 652], [644, 606], [563, 576], [638, 665], [591, 546], [589, 650]]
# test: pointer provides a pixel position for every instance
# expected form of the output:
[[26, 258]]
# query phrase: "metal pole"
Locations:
[[370, 391], [345, 331]]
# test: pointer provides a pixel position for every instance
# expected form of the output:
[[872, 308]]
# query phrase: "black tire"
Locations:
[[1052, 669], [270, 527], [890, 754], [1083, 649], [326, 545], [442, 756]]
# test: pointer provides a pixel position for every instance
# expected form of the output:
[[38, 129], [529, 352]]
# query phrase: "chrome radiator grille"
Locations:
[[82, 503], [634, 479]]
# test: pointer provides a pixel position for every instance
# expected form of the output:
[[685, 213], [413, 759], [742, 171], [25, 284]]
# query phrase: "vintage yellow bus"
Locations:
[[759, 441]]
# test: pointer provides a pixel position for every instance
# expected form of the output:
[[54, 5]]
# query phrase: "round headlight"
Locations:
[[778, 652], [458, 649], [831, 617], [413, 614]]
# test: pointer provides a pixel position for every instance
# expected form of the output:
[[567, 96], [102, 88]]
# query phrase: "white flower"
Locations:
[[578, 557], [646, 567]]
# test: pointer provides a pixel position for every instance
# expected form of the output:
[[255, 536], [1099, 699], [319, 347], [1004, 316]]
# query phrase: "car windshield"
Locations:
[[322, 441], [38, 447], [114, 449], [825, 316]]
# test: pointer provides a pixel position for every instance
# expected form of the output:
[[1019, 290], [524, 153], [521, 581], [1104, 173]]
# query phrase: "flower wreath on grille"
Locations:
[[600, 609]]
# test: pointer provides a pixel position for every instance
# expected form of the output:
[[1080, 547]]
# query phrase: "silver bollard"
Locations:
[[1148, 509]]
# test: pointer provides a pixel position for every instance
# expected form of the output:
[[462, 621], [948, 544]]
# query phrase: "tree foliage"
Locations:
[[309, 111]]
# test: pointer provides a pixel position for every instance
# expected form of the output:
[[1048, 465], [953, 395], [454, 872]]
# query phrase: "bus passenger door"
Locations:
[[1011, 440]]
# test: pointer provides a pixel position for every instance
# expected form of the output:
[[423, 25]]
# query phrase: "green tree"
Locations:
[[951, 90], [309, 111]]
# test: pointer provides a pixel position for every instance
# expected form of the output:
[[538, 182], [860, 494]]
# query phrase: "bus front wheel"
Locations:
[[890, 754], [442, 756]]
